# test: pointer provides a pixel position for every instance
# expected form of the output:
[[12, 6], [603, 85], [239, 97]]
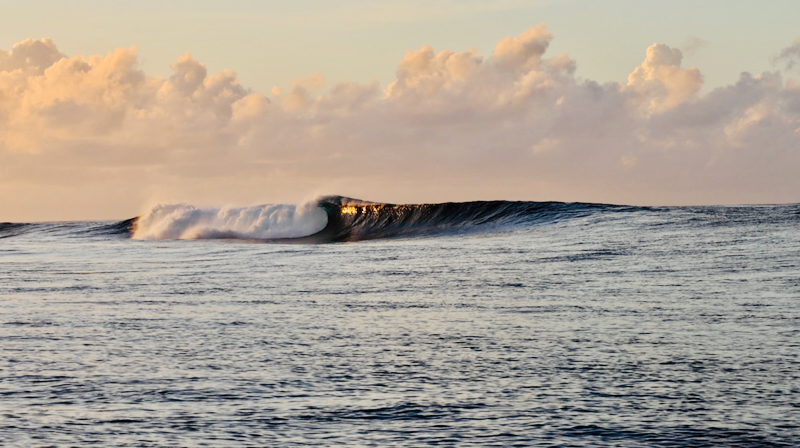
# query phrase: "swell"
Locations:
[[10, 229], [122, 229]]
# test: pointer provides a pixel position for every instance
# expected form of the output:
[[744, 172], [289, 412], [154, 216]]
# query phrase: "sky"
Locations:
[[108, 108]]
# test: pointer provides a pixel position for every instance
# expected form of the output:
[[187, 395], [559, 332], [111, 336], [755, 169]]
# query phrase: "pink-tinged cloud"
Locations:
[[96, 137]]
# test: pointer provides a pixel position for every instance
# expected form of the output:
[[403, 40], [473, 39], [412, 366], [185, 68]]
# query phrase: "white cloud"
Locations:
[[660, 81], [453, 126]]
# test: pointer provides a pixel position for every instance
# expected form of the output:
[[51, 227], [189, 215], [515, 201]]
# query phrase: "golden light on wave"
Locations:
[[369, 209]]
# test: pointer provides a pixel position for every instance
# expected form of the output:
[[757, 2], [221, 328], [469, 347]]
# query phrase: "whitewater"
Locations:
[[345, 322]]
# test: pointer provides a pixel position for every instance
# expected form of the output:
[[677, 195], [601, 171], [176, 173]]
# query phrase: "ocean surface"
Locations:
[[349, 323]]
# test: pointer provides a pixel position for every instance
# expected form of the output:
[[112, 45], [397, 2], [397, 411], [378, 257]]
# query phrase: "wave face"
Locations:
[[356, 220], [265, 222]]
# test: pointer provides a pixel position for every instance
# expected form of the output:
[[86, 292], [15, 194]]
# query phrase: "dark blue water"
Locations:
[[596, 327]]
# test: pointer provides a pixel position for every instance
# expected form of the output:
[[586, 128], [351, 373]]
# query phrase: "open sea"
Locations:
[[350, 323]]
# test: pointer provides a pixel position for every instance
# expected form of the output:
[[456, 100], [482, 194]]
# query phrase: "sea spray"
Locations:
[[183, 221]]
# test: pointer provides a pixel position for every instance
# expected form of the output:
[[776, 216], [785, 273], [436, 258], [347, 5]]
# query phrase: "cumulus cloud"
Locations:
[[30, 56], [454, 125], [660, 81]]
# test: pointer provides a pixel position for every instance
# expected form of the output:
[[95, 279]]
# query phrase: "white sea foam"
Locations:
[[183, 221]]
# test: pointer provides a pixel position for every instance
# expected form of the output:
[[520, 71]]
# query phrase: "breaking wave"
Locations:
[[337, 219], [329, 219]]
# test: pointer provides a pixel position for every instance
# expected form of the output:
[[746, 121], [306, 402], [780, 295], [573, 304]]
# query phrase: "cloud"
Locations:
[[693, 44], [454, 125], [790, 56], [30, 56], [660, 81]]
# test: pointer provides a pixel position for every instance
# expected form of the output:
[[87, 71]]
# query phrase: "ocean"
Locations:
[[351, 323]]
